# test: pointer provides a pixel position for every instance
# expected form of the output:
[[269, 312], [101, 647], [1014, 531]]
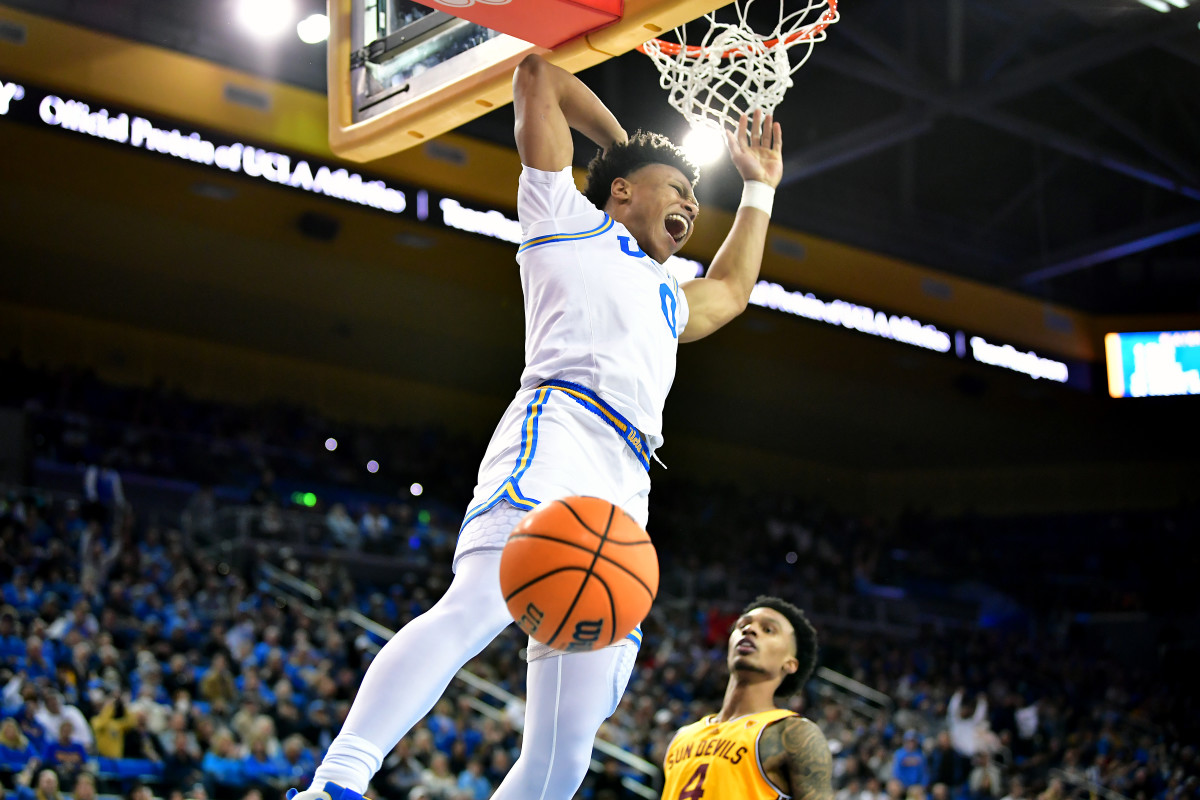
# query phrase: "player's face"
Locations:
[[762, 644], [662, 210]]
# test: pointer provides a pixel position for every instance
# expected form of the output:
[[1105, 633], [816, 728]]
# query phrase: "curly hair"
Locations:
[[805, 638], [622, 160]]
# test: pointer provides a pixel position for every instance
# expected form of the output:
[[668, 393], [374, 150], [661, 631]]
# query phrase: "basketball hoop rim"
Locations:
[[697, 52]]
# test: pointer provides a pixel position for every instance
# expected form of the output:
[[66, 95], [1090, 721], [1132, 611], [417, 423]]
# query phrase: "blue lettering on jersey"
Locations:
[[628, 248], [667, 296]]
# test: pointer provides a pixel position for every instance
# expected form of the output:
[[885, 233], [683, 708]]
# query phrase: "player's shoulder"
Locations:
[[790, 734], [552, 195], [794, 722]]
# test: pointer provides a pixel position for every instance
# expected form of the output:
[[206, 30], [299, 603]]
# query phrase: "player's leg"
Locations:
[[414, 668], [568, 696]]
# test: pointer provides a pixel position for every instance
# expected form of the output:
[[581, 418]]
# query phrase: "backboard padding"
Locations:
[[473, 89]]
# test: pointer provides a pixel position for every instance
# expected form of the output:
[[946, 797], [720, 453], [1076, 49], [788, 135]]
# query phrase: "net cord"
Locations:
[[732, 70]]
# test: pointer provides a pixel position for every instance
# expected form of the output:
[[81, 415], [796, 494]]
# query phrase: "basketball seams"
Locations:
[[607, 559], [612, 605], [583, 524], [541, 576], [590, 570]]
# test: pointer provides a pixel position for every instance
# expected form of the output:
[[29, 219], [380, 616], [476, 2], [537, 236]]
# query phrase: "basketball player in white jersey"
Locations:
[[603, 319]]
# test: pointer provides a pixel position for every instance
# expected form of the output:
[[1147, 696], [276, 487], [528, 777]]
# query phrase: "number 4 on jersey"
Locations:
[[694, 788]]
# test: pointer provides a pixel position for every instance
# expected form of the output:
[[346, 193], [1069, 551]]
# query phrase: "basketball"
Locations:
[[578, 573]]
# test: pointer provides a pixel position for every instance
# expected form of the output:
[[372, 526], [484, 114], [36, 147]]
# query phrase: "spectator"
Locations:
[[259, 768], [53, 713], [27, 721], [375, 528], [45, 788], [873, 790], [140, 741], [222, 767], [182, 765], [401, 770], [103, 491], [84, 787], [473, 782], [985, 779], [945, 765], [149, 702], [298, 763], [966, 725], [607, 784], [80, 618], [342, 528], [12, 646], [16, 751], [850, 790], [180, 676], [908, 763], [38, 664], [1016, 790], [18, 594], [437, 780], [109, 727], [64, 755], [217, 686]]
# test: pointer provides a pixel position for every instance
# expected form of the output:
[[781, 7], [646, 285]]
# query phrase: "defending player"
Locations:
[[750, 749], [603, 319]]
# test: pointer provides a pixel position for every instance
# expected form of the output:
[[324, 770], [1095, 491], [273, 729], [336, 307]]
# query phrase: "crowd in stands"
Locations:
[[139, 656]]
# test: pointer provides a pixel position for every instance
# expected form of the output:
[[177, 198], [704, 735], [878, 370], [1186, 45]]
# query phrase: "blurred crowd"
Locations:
[[141, 655]]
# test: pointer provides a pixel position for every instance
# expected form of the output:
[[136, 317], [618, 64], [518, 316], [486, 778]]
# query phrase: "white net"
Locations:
[[730, 69]]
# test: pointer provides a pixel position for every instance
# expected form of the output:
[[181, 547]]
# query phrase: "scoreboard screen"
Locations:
[[1153, 364]]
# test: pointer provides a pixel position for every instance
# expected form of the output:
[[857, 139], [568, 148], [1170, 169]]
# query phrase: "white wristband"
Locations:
[[756, 194]]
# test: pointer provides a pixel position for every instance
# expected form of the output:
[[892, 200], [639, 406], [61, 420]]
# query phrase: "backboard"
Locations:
[[401, 72]]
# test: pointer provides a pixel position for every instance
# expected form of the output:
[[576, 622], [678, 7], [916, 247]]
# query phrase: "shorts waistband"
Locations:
[[634, 438]]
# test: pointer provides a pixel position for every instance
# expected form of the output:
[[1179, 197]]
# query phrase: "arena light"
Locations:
[[265, 19], [416, 490], [331, 444], [704, 145], [313, 29], [1157, 5], [372, 466]]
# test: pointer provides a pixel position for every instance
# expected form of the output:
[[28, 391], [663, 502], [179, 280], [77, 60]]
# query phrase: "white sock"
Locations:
[[414, 668], [568, 697]]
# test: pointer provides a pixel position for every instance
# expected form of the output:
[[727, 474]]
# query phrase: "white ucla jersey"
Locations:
[[599, 312]]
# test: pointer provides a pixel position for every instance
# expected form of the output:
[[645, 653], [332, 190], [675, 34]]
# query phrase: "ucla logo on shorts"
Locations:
[[629, 248], [669, 304]]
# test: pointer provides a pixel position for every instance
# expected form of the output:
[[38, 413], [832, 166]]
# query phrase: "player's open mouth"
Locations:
[[745, 646], [678, 226]]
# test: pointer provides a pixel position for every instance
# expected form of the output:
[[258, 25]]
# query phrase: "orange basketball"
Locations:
[[578, 573]]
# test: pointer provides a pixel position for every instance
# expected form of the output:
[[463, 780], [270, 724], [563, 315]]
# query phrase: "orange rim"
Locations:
[[697, 52]]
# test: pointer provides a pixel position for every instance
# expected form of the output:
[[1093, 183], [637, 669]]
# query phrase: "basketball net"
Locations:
[[731, 70]]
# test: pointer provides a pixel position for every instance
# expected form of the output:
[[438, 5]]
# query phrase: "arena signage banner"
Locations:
[[144, 132]]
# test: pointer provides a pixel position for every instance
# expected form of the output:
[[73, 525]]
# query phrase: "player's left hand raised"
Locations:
[[757, 148]]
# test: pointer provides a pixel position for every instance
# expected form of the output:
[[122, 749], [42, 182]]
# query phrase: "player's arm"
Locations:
[[724, 292], [549, 101], [795, 756]]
